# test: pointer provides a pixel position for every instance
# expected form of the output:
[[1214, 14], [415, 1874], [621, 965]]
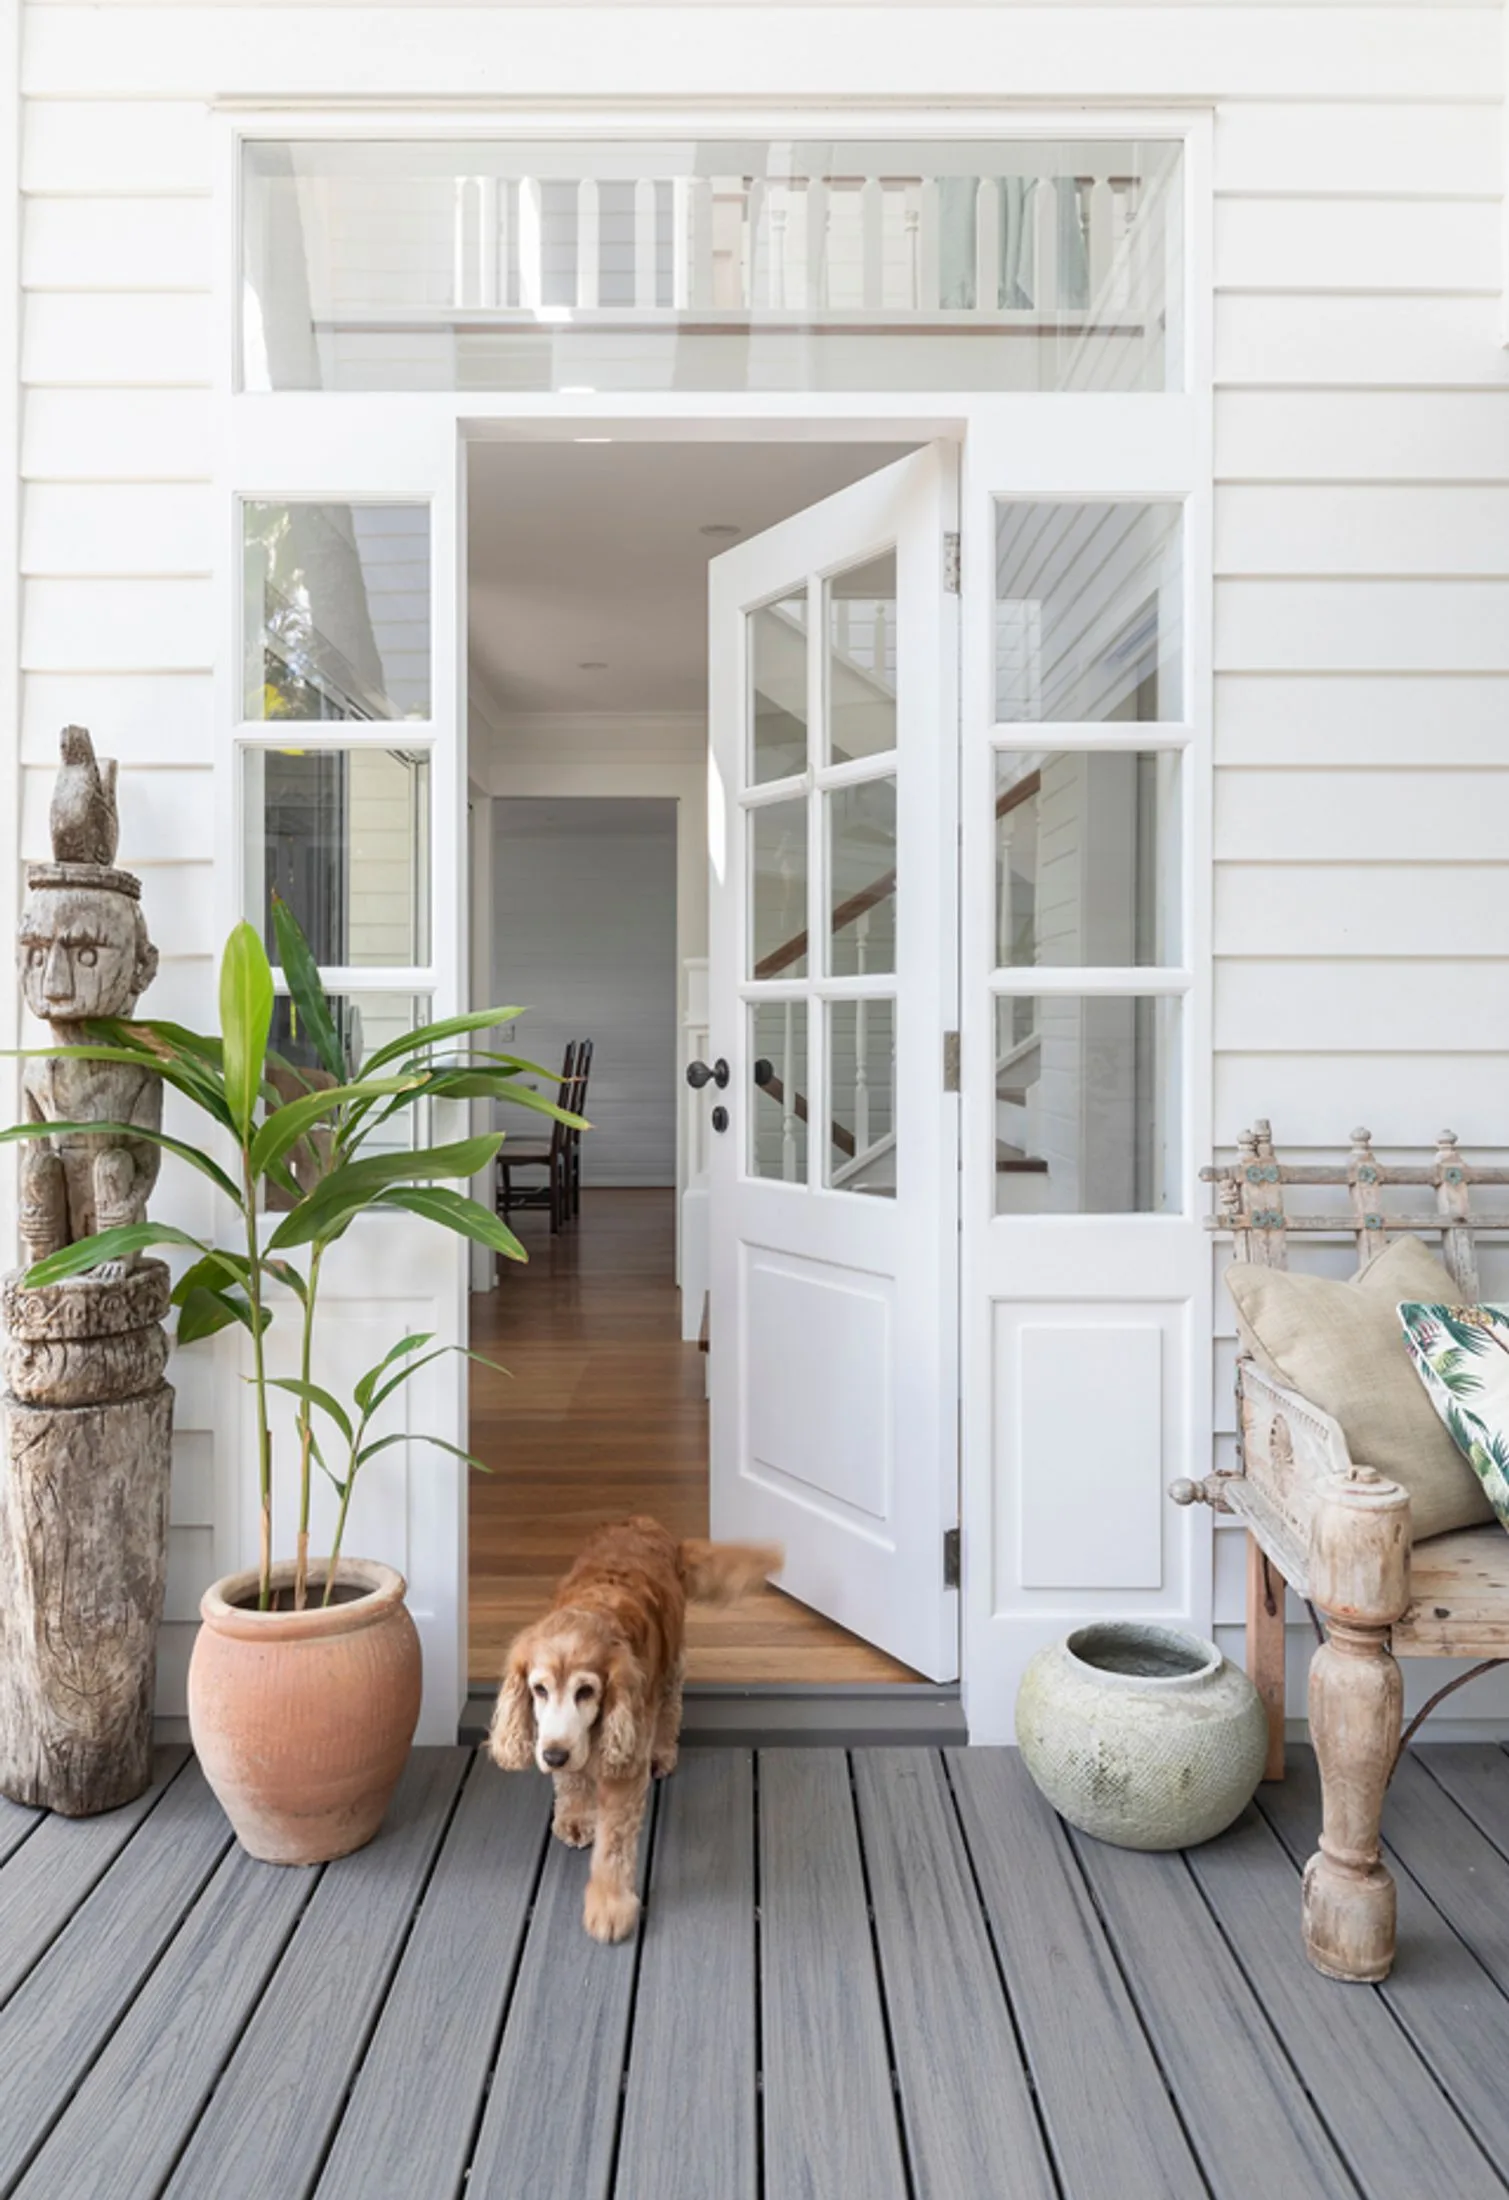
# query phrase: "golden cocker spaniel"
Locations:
[[592, 1692]]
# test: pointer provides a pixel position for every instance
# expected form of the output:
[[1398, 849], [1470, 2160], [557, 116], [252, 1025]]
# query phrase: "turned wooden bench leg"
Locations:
[[1359, 1578], [1265, 1647]]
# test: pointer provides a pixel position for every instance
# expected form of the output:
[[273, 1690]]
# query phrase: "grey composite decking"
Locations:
[[885, 1974]]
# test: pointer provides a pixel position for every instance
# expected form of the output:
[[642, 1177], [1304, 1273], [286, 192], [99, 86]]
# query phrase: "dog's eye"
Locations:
[[540, 1691], [586, 1692]]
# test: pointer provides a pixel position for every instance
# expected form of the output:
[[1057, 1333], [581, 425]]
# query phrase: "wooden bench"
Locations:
[[1338, 1533]]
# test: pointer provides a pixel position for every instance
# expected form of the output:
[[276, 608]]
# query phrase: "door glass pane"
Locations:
[[778, 889], [905, 263], [778, 689], [1087, 1115], [364, 1022], [862, 878], [862, 1097], [861, 620], [336, 619], [1089, 613], [342, 835], [1087, 857], [779, 1086]]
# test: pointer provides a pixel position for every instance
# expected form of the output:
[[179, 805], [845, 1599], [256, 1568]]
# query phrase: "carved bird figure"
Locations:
[[85, 828]]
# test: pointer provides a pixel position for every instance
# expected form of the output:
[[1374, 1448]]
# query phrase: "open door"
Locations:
[[834, 1148]]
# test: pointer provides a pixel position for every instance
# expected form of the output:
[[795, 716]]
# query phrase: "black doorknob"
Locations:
[[764, 1071], [720, 1119], [698, 1074]]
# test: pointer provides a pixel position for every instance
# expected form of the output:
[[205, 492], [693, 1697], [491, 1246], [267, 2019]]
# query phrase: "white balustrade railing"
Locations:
[[945, 249]]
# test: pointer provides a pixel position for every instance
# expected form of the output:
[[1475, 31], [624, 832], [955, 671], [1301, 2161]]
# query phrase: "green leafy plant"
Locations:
[[322, 1150]]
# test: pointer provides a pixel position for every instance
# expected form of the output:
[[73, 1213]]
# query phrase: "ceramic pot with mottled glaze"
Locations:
[[302, 1721], [1141, 1735]]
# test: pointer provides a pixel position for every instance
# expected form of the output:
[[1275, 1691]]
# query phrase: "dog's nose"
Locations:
[[555, 1758]]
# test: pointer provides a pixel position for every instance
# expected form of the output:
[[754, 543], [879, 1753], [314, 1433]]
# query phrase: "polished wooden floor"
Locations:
[[603, 1413]]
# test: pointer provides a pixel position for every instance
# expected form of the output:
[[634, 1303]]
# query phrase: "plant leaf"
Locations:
[[204, 1312], [467, 1217], [191, 1154], [356, 1184], [362, 1390], [311, 1394], [429, 1035], [212, 1274], [384, 1443], [301, 974], [285, 1273], [395, 1382], [245, 1021], [117, 1244], [285, 1125]]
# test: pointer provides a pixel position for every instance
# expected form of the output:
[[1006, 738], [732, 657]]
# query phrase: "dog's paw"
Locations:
[[576, 1828], [663, 1762], [610, 1913]]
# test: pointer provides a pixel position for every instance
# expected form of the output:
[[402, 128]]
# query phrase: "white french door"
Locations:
[[833, 1141], [343, 787], [1085, 1317]]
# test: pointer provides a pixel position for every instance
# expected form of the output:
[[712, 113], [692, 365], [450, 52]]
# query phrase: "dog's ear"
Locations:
[[510, 1737], [623, 1743]]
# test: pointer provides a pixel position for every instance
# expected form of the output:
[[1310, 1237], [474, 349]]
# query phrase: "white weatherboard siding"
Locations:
[[1362, 459]]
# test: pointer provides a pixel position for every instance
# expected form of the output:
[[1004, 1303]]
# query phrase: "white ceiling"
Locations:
[[582, 551]]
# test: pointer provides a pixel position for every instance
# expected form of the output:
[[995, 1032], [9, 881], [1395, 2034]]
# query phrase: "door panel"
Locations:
[[832, 976]]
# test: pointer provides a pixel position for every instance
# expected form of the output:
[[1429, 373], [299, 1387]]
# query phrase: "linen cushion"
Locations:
[[1339, 1345], [1461, 1355]]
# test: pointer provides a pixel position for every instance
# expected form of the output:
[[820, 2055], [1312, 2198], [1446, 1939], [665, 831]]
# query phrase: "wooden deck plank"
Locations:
[[1476, 1777], [1456, 1864], [408, 2128], [948, 2015], [1438, 1991], [126, 2126], [690, 2108], [1388, 2121], [551, 2122], [17, 1822], [56, 2022], [1084, 2041], [49, 1875], [272, 2118], [829, 2111], [1251, 2123]]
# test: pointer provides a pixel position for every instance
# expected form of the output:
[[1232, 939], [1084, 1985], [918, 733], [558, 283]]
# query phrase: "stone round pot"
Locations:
[[302, 1720], [1141, 1735]]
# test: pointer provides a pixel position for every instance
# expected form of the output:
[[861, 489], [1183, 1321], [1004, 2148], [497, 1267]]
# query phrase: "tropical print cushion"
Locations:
[[1461, 1354]]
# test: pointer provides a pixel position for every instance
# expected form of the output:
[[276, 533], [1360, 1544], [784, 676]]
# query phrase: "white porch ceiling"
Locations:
[[590, 553]]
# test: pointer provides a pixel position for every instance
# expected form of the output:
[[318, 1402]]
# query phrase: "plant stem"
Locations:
[[264, 1433], [306, 1433], [340, 1518]]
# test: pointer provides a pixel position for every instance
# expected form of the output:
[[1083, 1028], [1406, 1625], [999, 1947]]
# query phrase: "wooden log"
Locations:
[[83, 1545]]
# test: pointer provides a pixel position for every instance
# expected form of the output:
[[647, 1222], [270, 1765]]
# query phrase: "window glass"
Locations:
[[862, 1096], [342, 836], [1089, 613], [778, 689], [861, 616], [1087, 857], [1087, 1111], [778, 1110], [336, 621]]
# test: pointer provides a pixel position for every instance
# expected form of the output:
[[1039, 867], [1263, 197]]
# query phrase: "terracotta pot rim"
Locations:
[[383, 1589]]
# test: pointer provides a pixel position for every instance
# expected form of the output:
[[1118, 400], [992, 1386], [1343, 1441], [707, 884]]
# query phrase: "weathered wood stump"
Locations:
[[83, 1537]]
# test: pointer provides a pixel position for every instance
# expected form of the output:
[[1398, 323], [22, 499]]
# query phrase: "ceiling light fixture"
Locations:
[[592, 439], [593, 664], [721, 528]]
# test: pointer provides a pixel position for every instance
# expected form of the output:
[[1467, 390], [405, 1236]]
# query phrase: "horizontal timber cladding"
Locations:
[[1361, 455]]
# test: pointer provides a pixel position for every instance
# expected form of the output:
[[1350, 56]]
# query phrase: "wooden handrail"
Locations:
[[1022, 792], [848, 912], [842, 1139]]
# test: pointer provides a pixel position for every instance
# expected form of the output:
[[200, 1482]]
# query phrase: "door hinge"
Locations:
[[951, 565], [950, 1558], [951, 1061]]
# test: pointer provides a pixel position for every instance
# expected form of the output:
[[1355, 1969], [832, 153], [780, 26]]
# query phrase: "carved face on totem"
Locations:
[[82, 952]]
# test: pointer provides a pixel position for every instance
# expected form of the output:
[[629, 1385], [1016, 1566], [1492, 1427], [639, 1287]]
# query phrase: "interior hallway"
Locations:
[[603, 1414]]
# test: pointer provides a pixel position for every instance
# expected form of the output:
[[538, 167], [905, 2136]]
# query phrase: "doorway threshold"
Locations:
[[799, 1714]]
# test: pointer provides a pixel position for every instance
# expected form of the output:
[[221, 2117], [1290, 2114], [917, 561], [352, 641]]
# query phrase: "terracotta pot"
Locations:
[[302, 1720]]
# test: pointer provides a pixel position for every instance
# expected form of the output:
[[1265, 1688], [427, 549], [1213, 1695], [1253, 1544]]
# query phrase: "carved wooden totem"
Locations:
[[88, 1416]]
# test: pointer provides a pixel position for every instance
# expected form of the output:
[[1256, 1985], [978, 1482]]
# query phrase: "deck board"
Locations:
[[829, 2113], [1081, 2032], [419, 2092], [272, 2118], [695, 2001], [949, 2019], [877, 1975], [1353, 2058], [1446, 2002]]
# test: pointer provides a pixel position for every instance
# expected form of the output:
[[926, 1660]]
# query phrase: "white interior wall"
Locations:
[[1361, 511], [584, 926]]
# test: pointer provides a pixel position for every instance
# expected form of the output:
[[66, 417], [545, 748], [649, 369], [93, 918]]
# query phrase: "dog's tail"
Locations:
[[717, 1573]]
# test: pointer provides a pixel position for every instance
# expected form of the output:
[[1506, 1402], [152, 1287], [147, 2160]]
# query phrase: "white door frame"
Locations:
[[457, 417]]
